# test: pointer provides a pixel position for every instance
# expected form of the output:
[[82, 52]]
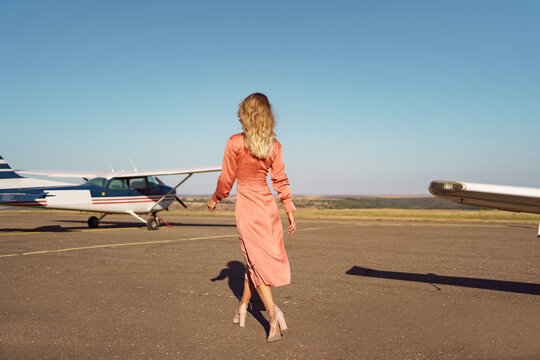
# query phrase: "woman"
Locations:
[[248, 158]]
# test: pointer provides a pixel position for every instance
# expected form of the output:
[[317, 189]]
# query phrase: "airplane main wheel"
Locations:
[[152, 224], [93, 222]]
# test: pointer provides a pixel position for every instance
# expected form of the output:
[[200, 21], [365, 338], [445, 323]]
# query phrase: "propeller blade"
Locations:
[[181, 202]]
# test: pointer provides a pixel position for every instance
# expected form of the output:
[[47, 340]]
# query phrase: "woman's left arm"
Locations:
[[226, 178]]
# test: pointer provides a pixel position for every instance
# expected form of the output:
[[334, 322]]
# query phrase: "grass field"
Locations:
[[422, 215]]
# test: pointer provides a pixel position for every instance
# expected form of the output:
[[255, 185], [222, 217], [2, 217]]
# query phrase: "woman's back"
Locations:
[[251, 172]]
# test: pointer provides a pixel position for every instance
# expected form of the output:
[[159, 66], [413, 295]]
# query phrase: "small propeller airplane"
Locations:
[[131, 192], [509, 198]]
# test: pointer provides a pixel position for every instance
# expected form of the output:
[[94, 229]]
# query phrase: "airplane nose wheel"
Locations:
[[152, 223], [93, 222]]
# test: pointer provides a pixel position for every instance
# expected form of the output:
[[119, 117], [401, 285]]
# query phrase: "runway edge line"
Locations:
[[146, 243]]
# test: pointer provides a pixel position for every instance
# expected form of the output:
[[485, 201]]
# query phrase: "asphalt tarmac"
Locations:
[[360, 290]]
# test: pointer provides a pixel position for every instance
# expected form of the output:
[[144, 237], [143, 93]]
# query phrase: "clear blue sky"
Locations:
[[371, 97]]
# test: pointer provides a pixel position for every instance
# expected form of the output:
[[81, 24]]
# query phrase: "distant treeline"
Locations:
[[371, 202]]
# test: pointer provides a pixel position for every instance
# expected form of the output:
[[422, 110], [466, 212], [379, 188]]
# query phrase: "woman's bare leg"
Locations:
[[265, 293], [274, 314], [249, 288]]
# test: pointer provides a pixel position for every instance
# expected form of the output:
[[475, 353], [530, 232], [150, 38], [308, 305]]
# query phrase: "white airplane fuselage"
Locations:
[[89, 198]]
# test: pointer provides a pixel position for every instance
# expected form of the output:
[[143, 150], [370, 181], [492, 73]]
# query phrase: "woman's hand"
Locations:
[[211, 205], [292, 223]]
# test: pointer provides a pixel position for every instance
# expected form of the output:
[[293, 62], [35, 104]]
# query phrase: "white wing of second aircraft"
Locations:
[[116, 174], [509, 198]]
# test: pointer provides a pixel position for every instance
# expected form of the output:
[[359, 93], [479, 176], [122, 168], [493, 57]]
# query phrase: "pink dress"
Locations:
[[257, 219]]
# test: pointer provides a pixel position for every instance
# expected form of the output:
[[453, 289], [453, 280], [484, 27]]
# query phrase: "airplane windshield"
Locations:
[[97, 182], [152, 183]]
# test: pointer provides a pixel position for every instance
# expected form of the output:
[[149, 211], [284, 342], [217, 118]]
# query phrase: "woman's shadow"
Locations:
[[235, 271]]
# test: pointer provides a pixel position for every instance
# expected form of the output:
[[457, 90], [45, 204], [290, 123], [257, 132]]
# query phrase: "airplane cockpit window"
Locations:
[[97, 182], [137, 183], [117, 184]]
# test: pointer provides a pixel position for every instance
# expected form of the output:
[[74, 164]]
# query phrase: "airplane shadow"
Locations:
[[46, 228], [235, 271], [60, 228], [203, 225], [499, 285], [117, 224]]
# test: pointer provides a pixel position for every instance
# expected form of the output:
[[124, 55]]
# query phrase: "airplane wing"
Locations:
[[509, 198], [116, 174], [162, 172], [65, 173]]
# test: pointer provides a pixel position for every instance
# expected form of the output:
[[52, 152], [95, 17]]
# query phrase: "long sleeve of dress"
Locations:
[[228, 173], [280, 182]]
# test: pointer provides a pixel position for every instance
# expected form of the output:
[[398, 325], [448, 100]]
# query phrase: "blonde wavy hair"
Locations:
[[257, 120]]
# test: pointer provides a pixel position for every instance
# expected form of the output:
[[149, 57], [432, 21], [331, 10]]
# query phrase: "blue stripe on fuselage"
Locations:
[[95, 191], [9, 175], [38, 190]]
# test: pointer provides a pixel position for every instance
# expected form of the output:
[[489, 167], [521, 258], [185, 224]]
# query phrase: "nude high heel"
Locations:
[[279, 324], [241, 311]]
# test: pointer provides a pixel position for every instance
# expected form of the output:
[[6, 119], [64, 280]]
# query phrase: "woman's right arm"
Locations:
[[280, 183], [292, 223]]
